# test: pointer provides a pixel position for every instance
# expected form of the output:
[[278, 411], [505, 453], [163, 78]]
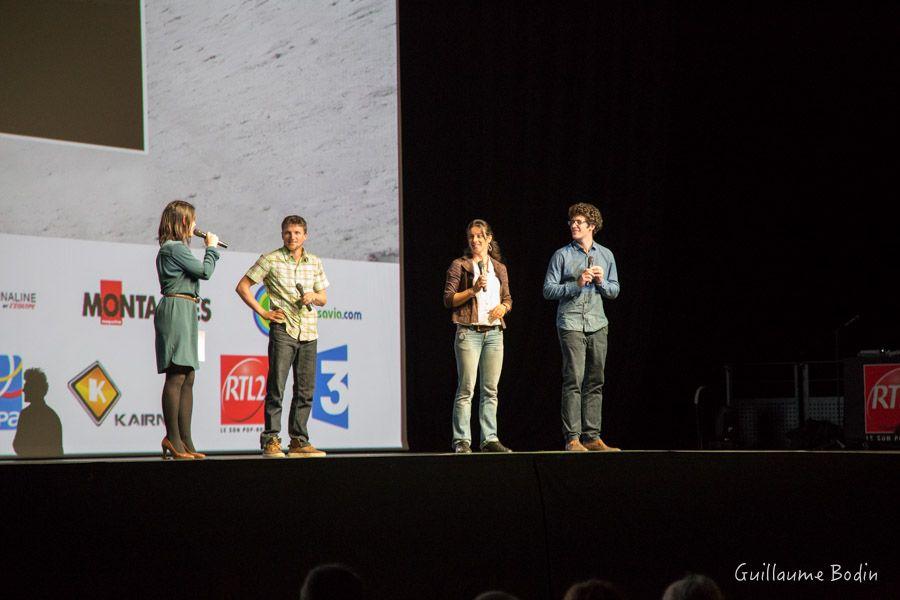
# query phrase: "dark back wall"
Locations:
[[740, 156]]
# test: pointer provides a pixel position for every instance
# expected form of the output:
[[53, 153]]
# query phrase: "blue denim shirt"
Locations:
[[580, 308]]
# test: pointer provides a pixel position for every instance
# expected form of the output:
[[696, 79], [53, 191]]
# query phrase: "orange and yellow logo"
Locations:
[[96, 391]]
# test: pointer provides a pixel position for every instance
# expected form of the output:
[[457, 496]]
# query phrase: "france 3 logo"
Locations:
[[243, 389], [10, 391]]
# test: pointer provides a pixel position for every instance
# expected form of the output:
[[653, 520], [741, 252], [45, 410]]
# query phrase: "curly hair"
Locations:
[[590, 213]]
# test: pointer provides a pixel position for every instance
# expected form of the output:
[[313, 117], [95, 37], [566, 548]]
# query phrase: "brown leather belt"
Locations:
[[480, 328], [184, 297]]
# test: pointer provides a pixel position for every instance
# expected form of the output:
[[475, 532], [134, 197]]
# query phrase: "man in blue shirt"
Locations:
[[581, 274]]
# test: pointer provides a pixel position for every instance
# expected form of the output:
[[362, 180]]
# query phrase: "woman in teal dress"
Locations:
[[175, 322]]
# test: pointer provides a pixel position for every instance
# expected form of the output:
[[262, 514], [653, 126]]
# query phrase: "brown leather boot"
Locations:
[[598, 446], [300, 450], [575, 446]]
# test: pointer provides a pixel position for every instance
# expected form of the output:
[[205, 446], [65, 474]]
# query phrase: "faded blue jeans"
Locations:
[[481, 355]]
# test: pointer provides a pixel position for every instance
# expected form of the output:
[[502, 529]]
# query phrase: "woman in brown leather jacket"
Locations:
[[477, 289]]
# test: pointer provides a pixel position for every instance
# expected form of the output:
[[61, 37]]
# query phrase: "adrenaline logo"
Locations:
[[18, 300], [10, 390]]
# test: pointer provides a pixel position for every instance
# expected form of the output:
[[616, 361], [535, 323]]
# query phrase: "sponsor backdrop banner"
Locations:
[[82, 311]]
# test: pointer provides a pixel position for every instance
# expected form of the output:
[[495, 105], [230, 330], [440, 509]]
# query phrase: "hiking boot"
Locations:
[[272, 449], [597, 445], [300, 449], [575, 446]]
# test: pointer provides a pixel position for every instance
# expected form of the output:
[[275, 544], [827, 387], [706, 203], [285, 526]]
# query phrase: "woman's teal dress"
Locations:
[[175, 320]]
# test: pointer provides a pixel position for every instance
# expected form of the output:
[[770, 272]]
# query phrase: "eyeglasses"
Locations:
[[579, 222]]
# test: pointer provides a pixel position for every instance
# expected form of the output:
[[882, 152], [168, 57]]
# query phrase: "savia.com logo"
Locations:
[[330, 403], [10, 390], [262, 296], [96, 392], [882, 382], [112, 305], [243, 389]]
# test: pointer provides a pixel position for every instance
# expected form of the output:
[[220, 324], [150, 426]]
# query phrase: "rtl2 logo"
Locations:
[[243, 389], [112, 306], [882, 383], [243, 392]]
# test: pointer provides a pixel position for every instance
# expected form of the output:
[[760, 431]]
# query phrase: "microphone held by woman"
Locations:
[[203, 234]]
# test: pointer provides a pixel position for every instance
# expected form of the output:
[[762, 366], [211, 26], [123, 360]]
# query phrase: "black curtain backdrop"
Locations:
[[741, 154]]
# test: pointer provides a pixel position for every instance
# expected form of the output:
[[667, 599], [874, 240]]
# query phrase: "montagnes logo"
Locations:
[[262, 296], [10, 391], [18, 300], [882, 383], [112, 305], [243, 389]]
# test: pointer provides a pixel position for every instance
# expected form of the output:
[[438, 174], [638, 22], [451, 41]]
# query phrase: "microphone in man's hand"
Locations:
[[590, 261], [300, 289], [202, 234]]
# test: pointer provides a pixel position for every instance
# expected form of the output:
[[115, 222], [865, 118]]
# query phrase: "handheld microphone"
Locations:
[[482, 266], [300, 289], [202, 234], [850, 322], [590, 261]]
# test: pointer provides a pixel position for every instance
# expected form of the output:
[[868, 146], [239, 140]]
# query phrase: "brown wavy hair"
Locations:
[[493, 248], [590, 213], [176, 221]]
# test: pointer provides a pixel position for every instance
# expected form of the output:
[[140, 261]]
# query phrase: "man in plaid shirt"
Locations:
[[295, 281]]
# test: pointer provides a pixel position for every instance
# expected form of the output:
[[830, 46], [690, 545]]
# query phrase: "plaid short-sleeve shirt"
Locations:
[[280, 273]]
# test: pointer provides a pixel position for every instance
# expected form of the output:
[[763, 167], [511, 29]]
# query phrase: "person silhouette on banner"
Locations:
[[39, 432]]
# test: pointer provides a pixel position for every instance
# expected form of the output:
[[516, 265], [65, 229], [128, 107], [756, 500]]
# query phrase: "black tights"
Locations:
[[178, 404]]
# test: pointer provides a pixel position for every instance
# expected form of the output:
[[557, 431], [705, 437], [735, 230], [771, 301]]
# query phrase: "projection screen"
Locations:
[[251, 111]]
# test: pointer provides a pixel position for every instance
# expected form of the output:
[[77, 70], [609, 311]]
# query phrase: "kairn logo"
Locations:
[[96, 391]]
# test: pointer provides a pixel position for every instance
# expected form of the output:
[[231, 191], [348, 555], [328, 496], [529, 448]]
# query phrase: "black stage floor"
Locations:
[[445, 526]]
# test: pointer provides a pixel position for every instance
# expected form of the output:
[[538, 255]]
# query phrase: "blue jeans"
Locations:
[[583, 364], [481, 355], [286, 354]]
